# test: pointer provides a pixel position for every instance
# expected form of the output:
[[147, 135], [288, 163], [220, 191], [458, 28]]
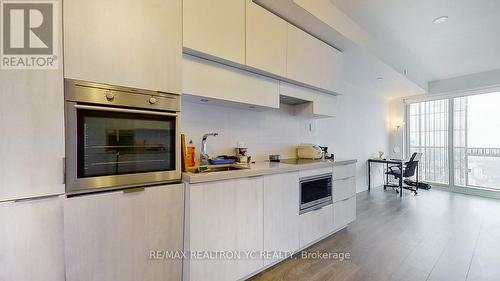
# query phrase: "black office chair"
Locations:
[[410, 168]]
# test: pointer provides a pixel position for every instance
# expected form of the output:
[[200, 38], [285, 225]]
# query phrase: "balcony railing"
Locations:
[[483, 152]]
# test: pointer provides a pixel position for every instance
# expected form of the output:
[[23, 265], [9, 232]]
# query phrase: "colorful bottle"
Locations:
[[191, 154]]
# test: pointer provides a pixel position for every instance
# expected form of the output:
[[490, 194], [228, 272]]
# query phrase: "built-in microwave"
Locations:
[[118, 137], [315, 192]]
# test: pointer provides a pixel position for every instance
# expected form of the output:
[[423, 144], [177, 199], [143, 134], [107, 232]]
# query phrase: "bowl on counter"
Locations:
[[274, 158]]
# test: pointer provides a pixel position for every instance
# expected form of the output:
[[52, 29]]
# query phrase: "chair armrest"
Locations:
[[392, 167]]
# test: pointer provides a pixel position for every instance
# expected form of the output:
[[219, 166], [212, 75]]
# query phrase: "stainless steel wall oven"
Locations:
[[119, 137], [315, 192]]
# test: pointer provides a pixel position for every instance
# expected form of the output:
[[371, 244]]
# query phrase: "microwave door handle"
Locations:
[[122, 110]]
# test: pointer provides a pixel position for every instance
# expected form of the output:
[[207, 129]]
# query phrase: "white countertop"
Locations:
[[262, 168]]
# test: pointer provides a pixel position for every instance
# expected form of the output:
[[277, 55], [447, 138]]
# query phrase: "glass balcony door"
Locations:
[[477, 141], [471, 158], [428, 134]]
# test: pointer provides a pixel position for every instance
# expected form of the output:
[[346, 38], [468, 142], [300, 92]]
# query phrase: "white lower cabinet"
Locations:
[[316, 224], [255, 214], [344, 212], [32, 242], [344, 195], [343, 189], [344, 171], [224, 217], [110, 236], [281, 214]]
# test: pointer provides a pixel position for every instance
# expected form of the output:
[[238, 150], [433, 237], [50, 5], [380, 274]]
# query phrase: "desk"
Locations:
[[399, 163]]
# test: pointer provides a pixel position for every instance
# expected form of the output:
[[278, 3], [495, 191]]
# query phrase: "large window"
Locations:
[[477, 141], [475, 154], [429, 134]]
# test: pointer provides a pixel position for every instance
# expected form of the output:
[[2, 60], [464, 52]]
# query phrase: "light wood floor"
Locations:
[[437, 236]]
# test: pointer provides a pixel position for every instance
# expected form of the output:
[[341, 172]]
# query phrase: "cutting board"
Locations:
[[184, 159]]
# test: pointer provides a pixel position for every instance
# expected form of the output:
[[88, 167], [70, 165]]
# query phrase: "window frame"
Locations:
[[451, 186]]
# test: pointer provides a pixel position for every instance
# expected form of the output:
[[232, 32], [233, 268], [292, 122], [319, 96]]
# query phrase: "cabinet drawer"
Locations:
[[344, 171], [315, 172], [344, 212], [315, 224], [343, 189]]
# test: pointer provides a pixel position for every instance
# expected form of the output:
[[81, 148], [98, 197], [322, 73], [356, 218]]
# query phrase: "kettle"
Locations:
[[309, 151]]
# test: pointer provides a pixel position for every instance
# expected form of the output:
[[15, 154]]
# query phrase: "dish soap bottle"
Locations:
[[191, 154]]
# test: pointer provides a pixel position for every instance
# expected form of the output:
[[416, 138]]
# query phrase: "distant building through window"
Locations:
[[475, 153]]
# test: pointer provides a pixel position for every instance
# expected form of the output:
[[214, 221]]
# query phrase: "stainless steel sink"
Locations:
[[220, 168]]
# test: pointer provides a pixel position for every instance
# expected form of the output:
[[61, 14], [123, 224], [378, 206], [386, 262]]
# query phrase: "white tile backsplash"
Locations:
[[358, 131], [264, 133]]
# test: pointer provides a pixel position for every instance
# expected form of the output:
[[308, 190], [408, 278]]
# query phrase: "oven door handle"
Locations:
[[123, 110]]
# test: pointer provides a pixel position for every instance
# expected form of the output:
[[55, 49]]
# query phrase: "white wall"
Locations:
[[358, 132], [264, 133], [395, 117]]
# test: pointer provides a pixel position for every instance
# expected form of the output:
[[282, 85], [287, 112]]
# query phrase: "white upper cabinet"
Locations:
[[124, 42], [325, 105], [319, 105], [303, 57], [313, 62], [295, 91], [332, 65], [266, 40], [32, 126], [213, 80], [32, 131], [215, 28], [243, 34]]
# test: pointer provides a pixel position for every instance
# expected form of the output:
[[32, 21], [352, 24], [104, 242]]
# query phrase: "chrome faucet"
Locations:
[[203, 155]]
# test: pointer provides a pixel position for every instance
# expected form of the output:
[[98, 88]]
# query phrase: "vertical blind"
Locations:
[[429, 134]]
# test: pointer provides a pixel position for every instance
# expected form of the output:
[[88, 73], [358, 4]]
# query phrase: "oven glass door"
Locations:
[[315, 191], [116, 143]]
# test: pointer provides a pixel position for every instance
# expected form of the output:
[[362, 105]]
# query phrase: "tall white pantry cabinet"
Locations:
[[31, 172]]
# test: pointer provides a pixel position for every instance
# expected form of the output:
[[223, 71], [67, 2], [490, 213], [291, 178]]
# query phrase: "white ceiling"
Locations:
[[469, 42], [362, 67]]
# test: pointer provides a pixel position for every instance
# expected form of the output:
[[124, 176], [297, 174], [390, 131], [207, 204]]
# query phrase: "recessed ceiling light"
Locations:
[[380, 78], [440, 20]]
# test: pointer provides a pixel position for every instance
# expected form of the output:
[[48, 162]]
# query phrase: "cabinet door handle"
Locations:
[[343, 179], [36, 198], [64, 170], [133, 190], [317, 209]]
